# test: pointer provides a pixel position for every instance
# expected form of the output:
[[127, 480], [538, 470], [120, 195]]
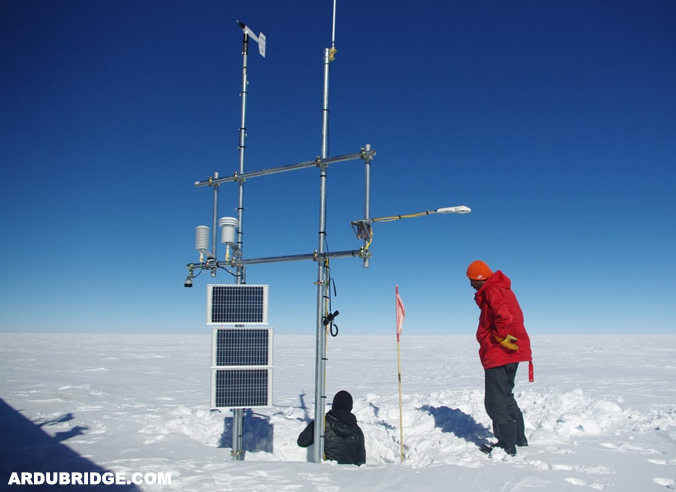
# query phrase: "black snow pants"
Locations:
[[501, 406]]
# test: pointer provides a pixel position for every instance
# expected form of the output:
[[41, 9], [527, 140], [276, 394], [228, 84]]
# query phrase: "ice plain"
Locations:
[[601, 414]]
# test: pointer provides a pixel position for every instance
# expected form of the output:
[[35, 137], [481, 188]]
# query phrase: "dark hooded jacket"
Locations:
[[500, 316], [343, 438]]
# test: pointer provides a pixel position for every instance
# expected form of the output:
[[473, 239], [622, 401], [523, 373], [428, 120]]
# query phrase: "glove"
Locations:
[[508, 342]]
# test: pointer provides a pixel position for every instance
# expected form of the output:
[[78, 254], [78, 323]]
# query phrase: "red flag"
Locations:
[[401, 313]]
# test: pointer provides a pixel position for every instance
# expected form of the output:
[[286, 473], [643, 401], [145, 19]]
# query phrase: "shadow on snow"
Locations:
[[459, 423], [25, 447], [257, 433]]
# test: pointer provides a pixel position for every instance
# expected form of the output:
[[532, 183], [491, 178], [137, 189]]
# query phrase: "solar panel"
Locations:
[[242, 347], [242, 388], [237, 304], [241, 375]]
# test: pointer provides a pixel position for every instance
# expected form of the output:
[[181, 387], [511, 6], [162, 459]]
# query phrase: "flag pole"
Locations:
[[400, 323]]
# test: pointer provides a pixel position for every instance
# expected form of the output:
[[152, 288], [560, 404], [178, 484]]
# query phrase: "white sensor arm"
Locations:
[[460, 209]]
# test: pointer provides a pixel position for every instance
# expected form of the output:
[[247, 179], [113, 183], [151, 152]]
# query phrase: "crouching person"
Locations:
[[343, 438]]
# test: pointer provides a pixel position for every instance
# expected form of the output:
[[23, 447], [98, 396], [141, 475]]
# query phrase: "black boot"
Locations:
[[521, 440], [496, 431], [507, 439], [488, 447]]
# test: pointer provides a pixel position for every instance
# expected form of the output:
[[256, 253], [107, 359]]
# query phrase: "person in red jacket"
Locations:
[[503, 343]]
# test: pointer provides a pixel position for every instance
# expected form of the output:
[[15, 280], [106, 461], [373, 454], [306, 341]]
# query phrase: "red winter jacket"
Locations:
[[500, 316]]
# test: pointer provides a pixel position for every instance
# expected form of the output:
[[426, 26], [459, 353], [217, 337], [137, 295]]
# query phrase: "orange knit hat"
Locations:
[[478, 270]]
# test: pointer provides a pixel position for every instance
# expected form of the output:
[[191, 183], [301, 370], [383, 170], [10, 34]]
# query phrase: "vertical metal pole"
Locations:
[[367, 198], [322, 284], [242, 149], [238, 413], [214, 224]]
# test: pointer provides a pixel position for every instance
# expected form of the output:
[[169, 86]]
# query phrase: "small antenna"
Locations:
[[333, 50], [333, 34]]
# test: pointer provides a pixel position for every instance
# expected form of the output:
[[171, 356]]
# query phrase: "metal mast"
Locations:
[[322, 270], [240, 275]]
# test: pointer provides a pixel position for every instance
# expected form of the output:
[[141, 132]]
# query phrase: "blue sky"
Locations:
[[554, 121]]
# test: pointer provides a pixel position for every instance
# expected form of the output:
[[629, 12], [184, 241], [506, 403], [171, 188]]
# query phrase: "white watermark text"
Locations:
[[88, 478]]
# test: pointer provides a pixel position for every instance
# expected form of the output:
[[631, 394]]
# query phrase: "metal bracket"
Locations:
[[362, 229]]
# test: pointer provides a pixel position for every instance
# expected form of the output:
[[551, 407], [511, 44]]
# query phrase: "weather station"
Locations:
[[242, 364]]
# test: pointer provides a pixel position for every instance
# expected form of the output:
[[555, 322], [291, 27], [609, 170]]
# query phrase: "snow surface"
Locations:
[[601, 414]]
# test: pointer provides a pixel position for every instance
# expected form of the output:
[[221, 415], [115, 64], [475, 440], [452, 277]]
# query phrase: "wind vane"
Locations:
[[260, 39]]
